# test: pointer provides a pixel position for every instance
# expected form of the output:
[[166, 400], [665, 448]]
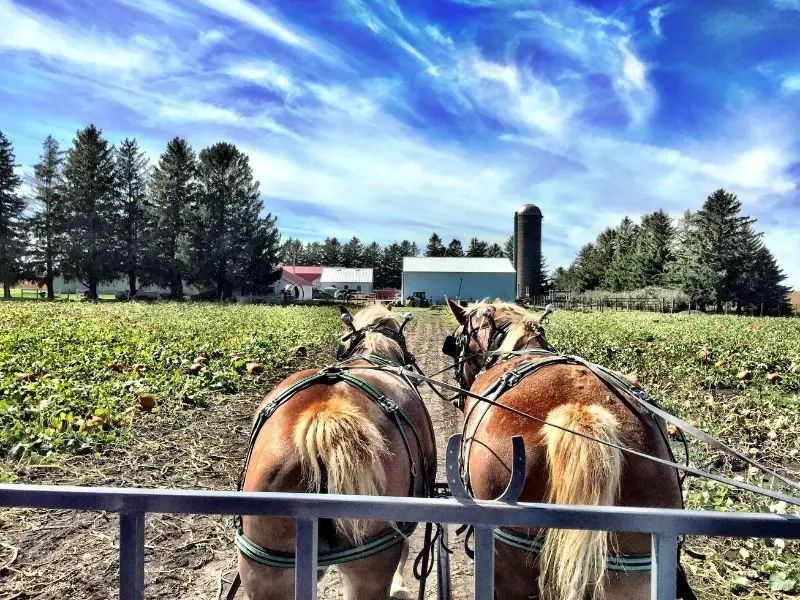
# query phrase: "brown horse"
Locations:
[[561, 467], [333, 436]]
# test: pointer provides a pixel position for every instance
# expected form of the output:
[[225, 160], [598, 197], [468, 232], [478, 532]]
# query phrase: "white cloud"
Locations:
[[791, 83], [164, 10], [263, 72], [27, 31], [633, 69], [211, 37], [252, 16], [656, 15]]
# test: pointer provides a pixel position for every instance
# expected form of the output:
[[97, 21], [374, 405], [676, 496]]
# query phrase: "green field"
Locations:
[[72, 375]]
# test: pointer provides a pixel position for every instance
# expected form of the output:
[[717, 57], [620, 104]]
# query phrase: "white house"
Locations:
[[340, 278], [297, 287], [464, 278]]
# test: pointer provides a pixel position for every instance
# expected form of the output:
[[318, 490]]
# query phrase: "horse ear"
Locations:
[[458, 311], [343, 310]]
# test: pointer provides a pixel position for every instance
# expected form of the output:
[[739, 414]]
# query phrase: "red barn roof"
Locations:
[[308, 274], [294, 278]]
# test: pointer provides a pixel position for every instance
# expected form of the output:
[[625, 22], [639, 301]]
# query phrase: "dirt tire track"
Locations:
[[71, 554]]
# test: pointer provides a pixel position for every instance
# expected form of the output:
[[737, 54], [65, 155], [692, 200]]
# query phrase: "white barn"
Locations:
[[464, 278], [340, 278]]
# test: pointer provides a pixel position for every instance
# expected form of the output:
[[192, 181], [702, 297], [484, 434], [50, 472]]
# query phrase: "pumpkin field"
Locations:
[[75, 379]]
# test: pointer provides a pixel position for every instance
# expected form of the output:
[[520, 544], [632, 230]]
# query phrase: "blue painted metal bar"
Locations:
[[385, 508], [131, 557], [484, 562], [305, 574], [663, 580]]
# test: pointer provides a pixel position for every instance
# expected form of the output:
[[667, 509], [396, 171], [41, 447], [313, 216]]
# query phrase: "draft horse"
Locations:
[[346, 429], [502, 352]]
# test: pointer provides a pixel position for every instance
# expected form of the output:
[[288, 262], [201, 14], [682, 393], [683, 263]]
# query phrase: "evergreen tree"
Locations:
[[435, 246], [560, 280], [313, 254], [508, 248], [494, 251], [586, 270], [454, 248], [132, 174], [622, 271], [47, 223], [604, 247], [372, 256], [261, 254], [407, 248], [229, 240], [292, 252], [688, 271], [11, 228], [653, 252], [546, 283], [352, 254], [92, 211], [391, 268], [174, 199], [332, 253], [477, 248], [765, 285]]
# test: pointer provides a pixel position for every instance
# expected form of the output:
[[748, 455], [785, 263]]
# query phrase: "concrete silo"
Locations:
[[528, 250]]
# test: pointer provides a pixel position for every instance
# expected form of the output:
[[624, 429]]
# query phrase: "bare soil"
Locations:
[[71, 554]]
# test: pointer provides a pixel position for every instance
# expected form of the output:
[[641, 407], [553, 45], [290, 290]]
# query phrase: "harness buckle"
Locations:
[[510, 379], [388, 404], [331, 372]]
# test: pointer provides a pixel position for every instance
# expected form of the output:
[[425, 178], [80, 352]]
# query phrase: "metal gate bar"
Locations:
[[132, 504]]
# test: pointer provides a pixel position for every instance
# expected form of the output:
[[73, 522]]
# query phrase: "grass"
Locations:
[[73, 376]]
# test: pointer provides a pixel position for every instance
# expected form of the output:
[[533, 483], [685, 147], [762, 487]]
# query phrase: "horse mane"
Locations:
[[521, 324], [377, 343]]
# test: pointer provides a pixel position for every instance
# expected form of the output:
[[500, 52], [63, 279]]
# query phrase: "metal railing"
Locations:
[[665, 525]]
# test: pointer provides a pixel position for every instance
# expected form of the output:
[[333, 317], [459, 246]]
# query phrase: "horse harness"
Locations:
[[535, 360], [329, 376]]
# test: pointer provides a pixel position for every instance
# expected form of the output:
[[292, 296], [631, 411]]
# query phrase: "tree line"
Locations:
[[386, 261], [713, 255], [99, 212]]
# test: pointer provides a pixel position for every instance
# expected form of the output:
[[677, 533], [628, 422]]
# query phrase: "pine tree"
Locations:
[[372, 256], [494, 251], [332, 253], [688, 271], [621, 274], [604, 247], [391, 267], [132, 174], [454, 248], [508, 248], [408, 248], [261, 254], [174, 199], [47, 223], [11, 228], [653, 252], [435, 246], [477, 248], [228, 232], [313, 254], [292, 252], [352, 254], [92, 210]]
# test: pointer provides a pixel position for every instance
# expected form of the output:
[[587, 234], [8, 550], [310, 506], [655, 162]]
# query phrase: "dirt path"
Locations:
[[67, 554]]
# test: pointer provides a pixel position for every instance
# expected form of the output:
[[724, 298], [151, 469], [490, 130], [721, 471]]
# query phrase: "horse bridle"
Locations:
[[356, 336], [458, 347]]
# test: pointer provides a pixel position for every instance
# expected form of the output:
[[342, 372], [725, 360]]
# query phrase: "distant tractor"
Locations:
[[418, 300]]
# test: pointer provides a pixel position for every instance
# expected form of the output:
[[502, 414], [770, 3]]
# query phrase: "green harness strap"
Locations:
[[614, 562], [379, 543]]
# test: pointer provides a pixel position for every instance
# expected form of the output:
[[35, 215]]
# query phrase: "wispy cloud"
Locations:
[[386, 120]]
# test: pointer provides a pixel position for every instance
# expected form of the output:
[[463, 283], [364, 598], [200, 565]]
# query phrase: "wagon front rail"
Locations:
[[665, 525]]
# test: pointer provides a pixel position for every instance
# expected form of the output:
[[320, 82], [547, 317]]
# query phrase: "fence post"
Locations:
[[484, 562], [663, 581], [131, 556], [305, 582]]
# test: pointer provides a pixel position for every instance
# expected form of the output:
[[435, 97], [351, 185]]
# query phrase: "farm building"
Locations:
[[339, 278], [794, 302], [310, 274], [457, 277], [297, 287]]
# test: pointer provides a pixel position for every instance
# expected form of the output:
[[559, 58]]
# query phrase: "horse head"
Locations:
[[488, 329], [376, 330]]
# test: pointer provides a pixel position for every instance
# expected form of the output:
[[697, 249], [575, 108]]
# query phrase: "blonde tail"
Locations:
[[340, 445], [582, 471]]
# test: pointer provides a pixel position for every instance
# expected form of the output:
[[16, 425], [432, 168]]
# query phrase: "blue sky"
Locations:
[[391, 119]]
